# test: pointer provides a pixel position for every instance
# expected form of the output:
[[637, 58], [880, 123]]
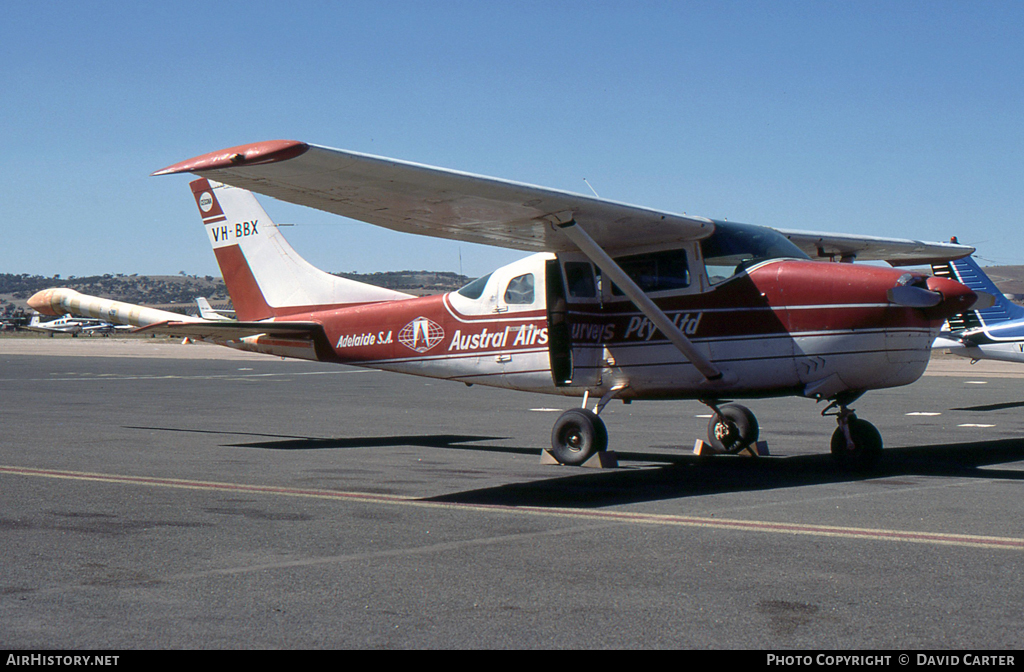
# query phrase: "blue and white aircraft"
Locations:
[[992, 332]]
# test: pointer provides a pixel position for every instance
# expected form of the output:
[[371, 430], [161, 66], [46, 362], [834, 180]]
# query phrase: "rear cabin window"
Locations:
[[520, 290], [656, 271]]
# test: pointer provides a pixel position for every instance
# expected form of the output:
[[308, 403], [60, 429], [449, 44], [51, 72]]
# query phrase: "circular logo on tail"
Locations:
[[206, 201]]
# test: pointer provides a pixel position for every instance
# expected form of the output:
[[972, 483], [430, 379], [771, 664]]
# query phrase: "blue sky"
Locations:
[[896, 118]]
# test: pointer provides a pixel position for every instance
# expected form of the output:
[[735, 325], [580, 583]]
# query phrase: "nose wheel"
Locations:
[[856, 443]]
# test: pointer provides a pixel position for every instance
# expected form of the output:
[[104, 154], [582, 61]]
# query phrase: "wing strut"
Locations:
[[656, 315]]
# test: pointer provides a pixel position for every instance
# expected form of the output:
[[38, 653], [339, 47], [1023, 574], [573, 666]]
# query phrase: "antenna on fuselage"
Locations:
[[591, 188]]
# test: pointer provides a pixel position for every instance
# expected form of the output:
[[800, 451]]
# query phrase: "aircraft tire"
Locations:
[[577, 435], [739, 430], [867, 446]]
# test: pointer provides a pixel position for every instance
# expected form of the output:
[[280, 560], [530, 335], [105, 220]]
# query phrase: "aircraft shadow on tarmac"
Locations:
[[653, 476], [286, 442], [690, 476], [991, 407]]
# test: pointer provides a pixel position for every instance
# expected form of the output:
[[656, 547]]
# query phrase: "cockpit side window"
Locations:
[[579, 276], [734, 247], [520, 290]]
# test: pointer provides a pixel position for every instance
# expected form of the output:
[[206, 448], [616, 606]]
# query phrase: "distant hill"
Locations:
[[412, 282], [142, 289]]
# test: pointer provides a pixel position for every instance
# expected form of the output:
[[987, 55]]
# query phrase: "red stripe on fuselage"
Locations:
[[778, 298], [374, 332]]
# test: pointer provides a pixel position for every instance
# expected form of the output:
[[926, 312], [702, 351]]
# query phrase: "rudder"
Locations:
[[264, 275]]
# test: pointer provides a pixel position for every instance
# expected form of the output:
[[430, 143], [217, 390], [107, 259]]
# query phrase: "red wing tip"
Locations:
[[253, 154]]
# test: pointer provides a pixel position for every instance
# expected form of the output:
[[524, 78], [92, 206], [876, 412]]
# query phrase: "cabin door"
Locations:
[[573, 303]]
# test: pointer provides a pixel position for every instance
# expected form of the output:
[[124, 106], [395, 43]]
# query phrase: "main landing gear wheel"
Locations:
[[732, 428], [577, 436]]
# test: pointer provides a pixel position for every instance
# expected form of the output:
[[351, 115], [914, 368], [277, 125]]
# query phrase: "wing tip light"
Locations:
[[253, 154]]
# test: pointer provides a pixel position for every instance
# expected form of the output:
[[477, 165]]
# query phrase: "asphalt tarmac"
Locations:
[[161, 497]]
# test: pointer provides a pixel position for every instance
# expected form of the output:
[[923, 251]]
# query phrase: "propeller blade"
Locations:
[[913, 297]]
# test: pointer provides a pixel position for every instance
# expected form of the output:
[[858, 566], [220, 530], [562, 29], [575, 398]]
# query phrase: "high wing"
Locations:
[[444, 203], [896, 251], [434, 201]]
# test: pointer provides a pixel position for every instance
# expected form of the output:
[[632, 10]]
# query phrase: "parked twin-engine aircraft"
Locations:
[[69, 324], [65, 324], [619, 301], [991, 331]]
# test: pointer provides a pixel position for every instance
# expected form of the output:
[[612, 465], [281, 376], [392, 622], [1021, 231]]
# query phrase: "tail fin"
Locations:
[[207, 312], [967, 272], [264, 275]]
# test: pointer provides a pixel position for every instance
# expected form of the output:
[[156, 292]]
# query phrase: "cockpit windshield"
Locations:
[[734, 247], [475, 289]]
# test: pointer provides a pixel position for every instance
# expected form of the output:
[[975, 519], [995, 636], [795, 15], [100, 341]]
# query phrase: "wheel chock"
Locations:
[[547, 458], [703, 448], [758, 449], [605, 459]]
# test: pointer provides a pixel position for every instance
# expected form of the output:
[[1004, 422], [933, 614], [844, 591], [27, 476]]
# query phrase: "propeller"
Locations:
[[911, 296]]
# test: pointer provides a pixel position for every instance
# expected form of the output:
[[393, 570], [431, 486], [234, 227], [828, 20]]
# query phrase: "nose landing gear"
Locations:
[[856, 443]]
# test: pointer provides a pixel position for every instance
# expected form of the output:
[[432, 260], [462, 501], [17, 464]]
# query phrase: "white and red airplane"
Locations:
[[619, 301]]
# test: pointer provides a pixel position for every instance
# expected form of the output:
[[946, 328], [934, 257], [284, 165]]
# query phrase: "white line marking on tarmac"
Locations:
[[107, 377], [970, 424], [594, 515], [926, 413]]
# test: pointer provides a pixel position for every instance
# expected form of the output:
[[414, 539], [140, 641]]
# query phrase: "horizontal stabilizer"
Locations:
[[230, 331]]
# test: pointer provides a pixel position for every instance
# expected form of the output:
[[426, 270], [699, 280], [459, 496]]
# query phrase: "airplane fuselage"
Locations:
[[780, 327]]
